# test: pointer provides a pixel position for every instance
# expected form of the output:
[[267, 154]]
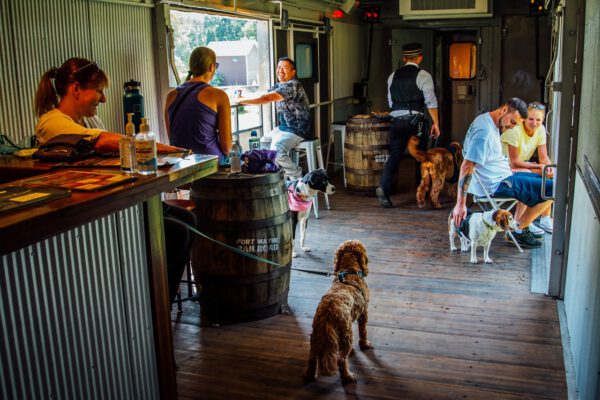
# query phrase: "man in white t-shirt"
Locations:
[[483, 154]]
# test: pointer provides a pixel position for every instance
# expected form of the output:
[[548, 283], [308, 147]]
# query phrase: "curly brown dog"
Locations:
[[439, 166], [345, 302]]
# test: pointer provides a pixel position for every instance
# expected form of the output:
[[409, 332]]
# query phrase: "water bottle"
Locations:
[[145, 150], [127, 147], [133, 102], [254, 141], [235, 158]]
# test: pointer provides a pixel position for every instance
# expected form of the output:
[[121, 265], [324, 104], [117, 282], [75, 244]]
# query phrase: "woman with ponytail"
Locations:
[[67, 99], [197, 115]]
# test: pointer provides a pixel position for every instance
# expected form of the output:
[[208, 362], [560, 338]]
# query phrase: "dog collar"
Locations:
[[343, 274], [487, 224]]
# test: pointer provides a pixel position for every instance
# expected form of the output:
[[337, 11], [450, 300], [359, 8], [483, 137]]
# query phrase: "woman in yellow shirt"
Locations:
[[67, 100], [520, 143]]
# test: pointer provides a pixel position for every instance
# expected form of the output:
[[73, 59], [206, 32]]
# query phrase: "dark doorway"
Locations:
[[458, 82]]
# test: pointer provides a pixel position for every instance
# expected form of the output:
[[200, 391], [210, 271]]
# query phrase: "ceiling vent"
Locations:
[[445, 9]]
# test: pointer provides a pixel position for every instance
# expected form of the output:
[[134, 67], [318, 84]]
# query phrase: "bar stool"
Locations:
[[338, 126], [314, 156]]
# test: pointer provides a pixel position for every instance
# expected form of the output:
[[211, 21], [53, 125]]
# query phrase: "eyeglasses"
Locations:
[[216, 65], [537, 106], [91, 64]]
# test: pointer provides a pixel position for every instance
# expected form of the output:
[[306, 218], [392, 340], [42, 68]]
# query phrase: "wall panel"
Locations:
[[125, 52], [582, 297], [582, 286], [75, 319], [589, 122], [9, 109], [348, 56], [43, 35]]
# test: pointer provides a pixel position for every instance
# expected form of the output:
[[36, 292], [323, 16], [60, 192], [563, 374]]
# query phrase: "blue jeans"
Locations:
[[525, 187]]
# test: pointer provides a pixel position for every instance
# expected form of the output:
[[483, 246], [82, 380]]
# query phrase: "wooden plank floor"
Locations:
[[442, 328]]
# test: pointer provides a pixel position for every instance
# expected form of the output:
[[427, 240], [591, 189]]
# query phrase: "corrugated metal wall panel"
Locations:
[[44, 34], [40, 34], [125, 52], [75, 317], [8, 106], [137, 301]]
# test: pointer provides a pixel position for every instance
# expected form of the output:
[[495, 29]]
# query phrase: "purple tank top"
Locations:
[[193, 124]]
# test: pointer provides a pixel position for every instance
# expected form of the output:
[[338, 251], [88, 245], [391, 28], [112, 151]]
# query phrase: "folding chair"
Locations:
[[496, 203]]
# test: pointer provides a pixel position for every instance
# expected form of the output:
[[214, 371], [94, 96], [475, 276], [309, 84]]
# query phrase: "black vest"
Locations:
[[404, 91]]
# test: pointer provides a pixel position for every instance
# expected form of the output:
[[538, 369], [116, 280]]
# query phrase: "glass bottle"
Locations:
[[127, 147]]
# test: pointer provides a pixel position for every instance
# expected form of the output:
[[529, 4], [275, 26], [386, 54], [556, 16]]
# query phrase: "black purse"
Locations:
[[66, 147]]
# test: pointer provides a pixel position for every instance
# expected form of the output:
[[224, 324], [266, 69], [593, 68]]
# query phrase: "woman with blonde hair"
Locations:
[[198, 115], [519, 144]]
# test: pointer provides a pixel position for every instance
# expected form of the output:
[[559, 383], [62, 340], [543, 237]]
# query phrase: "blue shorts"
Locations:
[[525, 187]]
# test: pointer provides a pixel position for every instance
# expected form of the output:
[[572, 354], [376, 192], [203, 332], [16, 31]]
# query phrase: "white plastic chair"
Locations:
[[314, 160]]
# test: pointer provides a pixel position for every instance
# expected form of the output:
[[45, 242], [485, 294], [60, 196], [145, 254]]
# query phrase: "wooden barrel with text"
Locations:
[[250, 213], [366, 150]]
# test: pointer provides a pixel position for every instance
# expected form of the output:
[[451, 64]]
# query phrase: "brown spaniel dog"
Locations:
[[439, 166]]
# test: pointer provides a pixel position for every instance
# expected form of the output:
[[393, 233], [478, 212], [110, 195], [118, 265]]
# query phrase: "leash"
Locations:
[[228, 247], [244, 253], [308, 271]]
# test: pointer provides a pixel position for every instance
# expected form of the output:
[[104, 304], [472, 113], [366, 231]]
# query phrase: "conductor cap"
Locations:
[[412, 49]]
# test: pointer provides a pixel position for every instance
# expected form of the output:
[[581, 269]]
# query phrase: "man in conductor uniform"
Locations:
[[410, 92]]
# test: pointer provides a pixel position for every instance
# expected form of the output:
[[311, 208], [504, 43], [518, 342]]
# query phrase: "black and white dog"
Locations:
[[301, 193]]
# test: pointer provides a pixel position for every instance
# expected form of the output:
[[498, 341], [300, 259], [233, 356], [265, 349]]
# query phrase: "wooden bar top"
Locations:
[[28, 225]]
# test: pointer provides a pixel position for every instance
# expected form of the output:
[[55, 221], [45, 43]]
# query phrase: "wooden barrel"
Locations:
[[251, 213], [366, 150]]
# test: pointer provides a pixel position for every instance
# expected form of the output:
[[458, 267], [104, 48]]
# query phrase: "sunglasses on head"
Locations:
[[91, 64], [537, 106]]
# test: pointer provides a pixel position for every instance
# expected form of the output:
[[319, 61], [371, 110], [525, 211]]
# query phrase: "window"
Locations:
[[462, 60], [242, 49], [304, 60]]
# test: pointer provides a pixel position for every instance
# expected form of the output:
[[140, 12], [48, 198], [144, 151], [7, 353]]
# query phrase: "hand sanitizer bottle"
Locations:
[[235, 158], [127, 147], [145, 149]]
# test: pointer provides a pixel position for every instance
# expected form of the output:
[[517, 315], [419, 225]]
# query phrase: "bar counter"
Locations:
[[84, 291]]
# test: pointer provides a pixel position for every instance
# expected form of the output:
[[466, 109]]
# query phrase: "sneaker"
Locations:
[[384, 200], [546, 223], [526, 239], [537, 233]]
